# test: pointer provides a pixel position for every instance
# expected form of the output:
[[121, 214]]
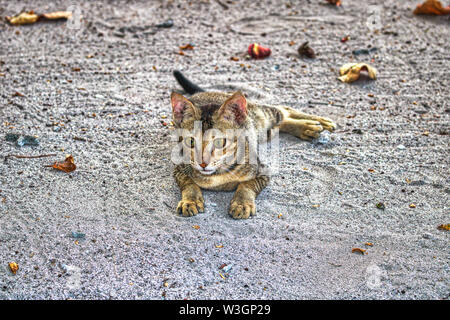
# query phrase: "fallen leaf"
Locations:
[[67, 165], [445, 227], [57, 15], [370, 244], [337, 3], [196, 227], [380, 205], [432, 7], [234, 58], [187, 47], [305, 50], [14, 267], [345, 39], [31, 17], [359, 250], [351, 71], [412, 205], [258, 52], [219, 246], [23, 18]]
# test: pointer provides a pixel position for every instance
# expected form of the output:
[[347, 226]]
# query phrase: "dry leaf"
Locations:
[[445, 227], [196, 227], [305, 50], [351, 71], [67, 166], [412, 205], [370, 244], [359, 250], [187, 47], [23, 18], [31, 17], [14, 267], [258, 52], [57, 15], [335, 2], [432, 7], [234, 58]]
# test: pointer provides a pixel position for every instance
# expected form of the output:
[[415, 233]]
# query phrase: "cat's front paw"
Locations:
[[242, 209], [189, 208]]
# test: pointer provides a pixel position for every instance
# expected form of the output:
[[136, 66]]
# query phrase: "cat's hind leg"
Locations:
[[302, 128], [292, 114]]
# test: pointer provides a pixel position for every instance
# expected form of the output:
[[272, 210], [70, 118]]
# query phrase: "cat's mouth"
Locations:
[[207, 171]]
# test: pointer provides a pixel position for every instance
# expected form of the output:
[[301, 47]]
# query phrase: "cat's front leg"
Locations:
[[243, 202], [191, 195]]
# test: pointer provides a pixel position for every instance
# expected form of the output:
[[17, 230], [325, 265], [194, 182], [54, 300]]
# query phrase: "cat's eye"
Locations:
[[219, 143], [190, 142]]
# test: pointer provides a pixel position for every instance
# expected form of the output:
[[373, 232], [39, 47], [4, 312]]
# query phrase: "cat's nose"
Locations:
[[203, 165]]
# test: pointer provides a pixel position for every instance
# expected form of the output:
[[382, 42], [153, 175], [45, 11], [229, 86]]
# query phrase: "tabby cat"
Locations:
[[209, 170]]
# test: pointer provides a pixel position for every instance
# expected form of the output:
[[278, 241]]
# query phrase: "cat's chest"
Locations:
[[226, 181]]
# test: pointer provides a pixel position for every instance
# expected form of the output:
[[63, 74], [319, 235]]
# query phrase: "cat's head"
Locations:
[[213, 149]]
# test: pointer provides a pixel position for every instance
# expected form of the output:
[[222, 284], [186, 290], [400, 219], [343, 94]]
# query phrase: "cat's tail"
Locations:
[[187, 85]]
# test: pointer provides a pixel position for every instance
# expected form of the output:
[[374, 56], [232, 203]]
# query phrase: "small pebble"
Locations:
[[78, 235]]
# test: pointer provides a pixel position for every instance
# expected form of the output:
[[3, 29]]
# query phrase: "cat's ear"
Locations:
[[182, 108], [234, 109]]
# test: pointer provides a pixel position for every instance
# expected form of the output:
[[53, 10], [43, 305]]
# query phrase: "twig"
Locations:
[[29, 157], [222, 4], [326, 104]]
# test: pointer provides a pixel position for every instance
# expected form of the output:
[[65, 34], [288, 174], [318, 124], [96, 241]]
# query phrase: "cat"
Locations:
[[216, 166]]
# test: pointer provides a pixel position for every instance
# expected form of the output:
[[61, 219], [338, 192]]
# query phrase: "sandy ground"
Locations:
[[99, 90]]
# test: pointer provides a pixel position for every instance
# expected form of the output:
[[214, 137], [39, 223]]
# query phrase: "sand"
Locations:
[[99, 90]]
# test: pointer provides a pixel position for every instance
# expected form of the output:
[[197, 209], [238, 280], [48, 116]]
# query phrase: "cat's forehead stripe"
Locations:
[[208, 111]]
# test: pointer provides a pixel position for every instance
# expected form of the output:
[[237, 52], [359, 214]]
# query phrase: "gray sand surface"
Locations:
[[99, 90]]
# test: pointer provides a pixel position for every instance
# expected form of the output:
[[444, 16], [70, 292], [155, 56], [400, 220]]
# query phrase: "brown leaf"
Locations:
[[432, 7], [335, 2], [305, 50], [67, 166], [187, 47], [445, 227], [359, 250]]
